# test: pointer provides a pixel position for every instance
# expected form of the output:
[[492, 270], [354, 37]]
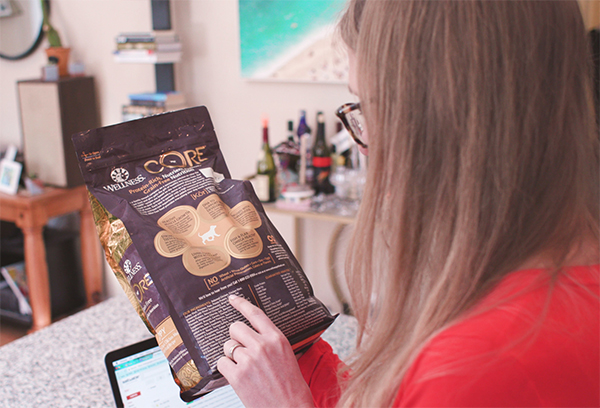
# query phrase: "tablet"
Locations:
[[140, 377]]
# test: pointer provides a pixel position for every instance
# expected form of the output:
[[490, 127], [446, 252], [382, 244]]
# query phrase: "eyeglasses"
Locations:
[[352, 118]]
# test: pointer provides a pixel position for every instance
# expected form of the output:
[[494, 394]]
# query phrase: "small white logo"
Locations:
[[127, 267], [130, 269], [209, 235], [119, 175]]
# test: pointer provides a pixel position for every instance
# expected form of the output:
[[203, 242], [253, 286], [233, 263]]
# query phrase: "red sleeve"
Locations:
[[319, 367]]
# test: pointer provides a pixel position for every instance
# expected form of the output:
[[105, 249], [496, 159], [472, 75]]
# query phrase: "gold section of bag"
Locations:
[[115, 240], [188, 376], [167, 336]]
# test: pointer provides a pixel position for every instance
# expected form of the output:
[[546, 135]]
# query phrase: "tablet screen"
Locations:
[[141, 378]]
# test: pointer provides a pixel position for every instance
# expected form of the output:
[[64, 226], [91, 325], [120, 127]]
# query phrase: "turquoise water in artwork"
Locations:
[[269, 28]]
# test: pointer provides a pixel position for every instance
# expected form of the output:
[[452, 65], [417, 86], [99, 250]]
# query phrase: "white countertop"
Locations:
[[62, 365]]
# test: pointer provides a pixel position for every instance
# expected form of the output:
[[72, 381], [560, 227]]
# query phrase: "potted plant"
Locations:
[[56, 52]]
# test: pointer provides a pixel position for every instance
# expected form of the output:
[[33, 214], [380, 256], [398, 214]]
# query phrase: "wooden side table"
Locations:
[[31, 213]]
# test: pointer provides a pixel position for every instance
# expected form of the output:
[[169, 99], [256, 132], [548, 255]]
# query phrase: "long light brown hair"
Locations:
[[483, 153]]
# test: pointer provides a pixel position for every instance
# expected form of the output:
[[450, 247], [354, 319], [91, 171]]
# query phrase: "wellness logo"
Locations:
[[121, 178], [119, 175], [131, 270], [141, 285]]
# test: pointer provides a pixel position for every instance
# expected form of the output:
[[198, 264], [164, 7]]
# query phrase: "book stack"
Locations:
[[147, 104], [148, 47]]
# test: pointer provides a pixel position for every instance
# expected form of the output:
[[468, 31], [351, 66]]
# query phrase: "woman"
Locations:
[[474, 265]]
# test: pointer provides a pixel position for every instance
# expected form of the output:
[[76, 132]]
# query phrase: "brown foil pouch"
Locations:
[[181, 236]]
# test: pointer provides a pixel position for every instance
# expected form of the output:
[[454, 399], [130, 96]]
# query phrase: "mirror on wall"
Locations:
[[20, 27]]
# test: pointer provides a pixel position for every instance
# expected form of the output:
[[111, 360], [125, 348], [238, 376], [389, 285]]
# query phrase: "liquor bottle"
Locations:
[[290, 128], [293, 158], [303, 128], [321, 160], [264, 181], [304, 139]]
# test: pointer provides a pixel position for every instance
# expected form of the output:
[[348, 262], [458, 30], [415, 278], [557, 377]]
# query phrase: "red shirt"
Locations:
[[523, 345]]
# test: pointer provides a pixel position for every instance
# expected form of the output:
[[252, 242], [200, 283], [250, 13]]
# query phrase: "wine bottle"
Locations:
[[290, 128], [304, 138], [321, 160], [264, 181]]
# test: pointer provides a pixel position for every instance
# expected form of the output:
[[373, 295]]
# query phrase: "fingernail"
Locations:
[[231, 297]]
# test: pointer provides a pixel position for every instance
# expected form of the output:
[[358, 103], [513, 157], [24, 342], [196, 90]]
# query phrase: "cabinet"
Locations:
[[51, 112], [31, 214]]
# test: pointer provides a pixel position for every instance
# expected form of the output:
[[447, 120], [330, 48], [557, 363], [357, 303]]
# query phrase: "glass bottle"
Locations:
[[304, 139], [290, 128], [321, 160], [265, 169]]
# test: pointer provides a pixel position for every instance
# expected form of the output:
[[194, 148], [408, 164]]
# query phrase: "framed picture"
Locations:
[[10, 173], [292, 41]]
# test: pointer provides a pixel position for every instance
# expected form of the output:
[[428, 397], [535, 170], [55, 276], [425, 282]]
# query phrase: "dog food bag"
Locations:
[[142, 294], [181, 236]]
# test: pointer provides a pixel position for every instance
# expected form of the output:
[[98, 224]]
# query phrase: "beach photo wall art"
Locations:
[[292, 41]]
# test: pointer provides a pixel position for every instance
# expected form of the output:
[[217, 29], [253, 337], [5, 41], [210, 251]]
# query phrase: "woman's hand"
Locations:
[[263, 370]]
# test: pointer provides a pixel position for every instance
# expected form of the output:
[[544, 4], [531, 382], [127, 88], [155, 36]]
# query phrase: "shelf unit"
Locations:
[[161, 20], [163, 62]]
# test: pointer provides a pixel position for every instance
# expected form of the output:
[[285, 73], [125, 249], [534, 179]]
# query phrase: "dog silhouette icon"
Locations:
[[209, 235]]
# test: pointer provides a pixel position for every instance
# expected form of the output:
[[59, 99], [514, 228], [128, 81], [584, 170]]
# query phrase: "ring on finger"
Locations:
[[232, 349]]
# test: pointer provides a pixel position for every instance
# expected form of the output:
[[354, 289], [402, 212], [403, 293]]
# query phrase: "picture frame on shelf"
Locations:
[[10, 174]]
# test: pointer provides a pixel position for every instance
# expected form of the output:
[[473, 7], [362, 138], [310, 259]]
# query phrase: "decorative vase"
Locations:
[[62, 56]]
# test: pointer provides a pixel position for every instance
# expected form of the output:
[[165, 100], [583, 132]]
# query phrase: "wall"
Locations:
[[209, 74], [591, 13]]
